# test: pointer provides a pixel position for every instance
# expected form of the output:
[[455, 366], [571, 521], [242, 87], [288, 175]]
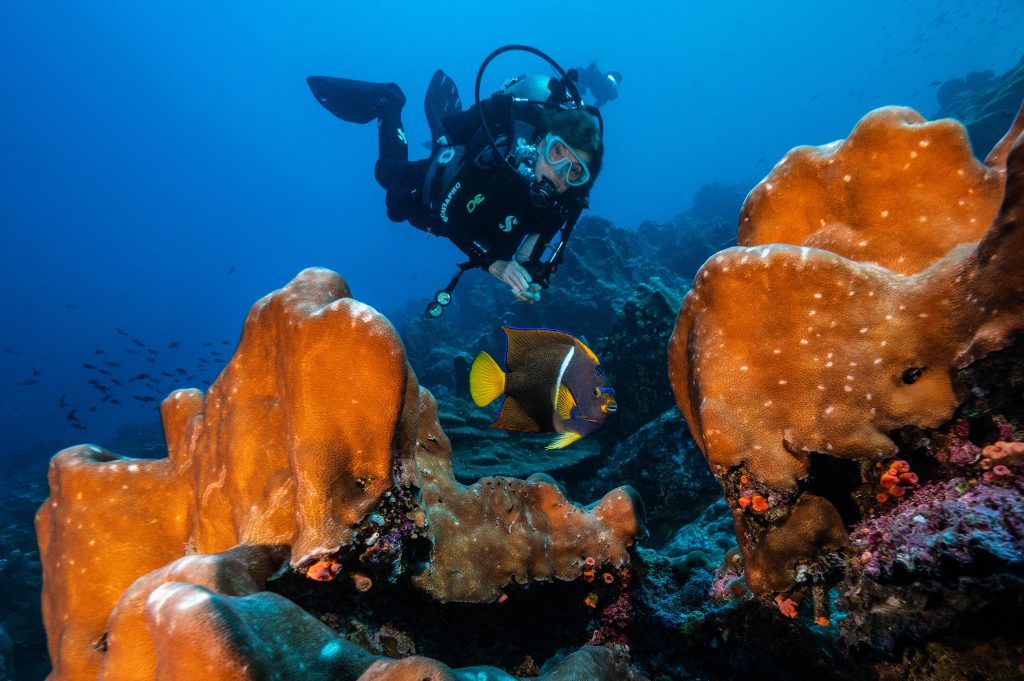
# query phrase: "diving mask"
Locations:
[[564, 160]]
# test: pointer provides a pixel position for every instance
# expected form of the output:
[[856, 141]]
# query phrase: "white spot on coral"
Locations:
[[848, 388], [818, 296], [829, 409], [885, 213], [878, 360], [803, 341], [863, 243], [744, 367], [812, 313], [821, 386], [782, 381], [923, 143], [847, 178], [864, 329], [768, 403]]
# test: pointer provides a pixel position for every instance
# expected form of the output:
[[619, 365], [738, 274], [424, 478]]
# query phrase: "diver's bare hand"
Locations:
[[517, 278]]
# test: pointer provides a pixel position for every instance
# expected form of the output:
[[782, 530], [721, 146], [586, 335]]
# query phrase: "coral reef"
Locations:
[[315, 446], [664, 465], [983, 103], [781, 351]]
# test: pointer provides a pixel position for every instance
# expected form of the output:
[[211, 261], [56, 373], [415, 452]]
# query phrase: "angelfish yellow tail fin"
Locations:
[[563, 440], [486, 380]]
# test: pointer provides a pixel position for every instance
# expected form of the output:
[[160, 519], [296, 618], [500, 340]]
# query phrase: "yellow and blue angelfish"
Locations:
[[552, 383]]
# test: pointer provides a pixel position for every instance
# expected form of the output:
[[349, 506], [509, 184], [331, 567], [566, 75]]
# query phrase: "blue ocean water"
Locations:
[[164, 164]]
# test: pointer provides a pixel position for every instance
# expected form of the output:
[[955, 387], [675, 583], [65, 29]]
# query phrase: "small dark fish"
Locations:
[[151, 360], [107, 397], [215, 352], [174, 345], [138, 342], [232, 270], [93, 382], [168, 374], [115, 401], [92, 408], [104, 372], [79, 426], [88, 366], [554, 383], [219, 361], [10, 351], [28, 381], [181, 371], [116, 382], [98, 352], [934, 83], [70, 306], [207, 344], [62, 402], [152, 351], [144, 398], [109, 363], [140, 377], [121, 331], [72, 415], [36, 372], [224, 342]]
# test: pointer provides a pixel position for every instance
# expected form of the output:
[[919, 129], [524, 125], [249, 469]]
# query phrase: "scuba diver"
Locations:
[[503, 178], [604, 87]]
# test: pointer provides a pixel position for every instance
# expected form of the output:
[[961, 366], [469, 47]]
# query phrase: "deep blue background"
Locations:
[[148, 148]]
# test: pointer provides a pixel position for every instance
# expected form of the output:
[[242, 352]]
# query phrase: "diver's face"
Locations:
[[546, 169]]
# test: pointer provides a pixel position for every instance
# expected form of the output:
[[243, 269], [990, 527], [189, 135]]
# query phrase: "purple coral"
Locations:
[[938, 521]]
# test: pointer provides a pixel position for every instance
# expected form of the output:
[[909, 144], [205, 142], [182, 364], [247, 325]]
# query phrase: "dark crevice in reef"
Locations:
[[532, 625], [835, 480]]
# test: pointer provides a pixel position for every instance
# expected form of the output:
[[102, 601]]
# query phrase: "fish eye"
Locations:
[[597, 392]]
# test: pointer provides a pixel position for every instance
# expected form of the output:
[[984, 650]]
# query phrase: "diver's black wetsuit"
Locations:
[[464, 191]]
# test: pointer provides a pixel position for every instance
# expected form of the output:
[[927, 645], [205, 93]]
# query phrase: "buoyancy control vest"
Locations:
[[475, 199]]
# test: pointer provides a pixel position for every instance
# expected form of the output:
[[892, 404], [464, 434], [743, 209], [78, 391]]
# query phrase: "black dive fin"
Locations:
[[441, 100], [355, 101]]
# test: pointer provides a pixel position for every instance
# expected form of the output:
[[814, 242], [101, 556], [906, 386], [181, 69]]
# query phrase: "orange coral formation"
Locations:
[[895, 480], [780, 350], [900, 191], [786, 606], [1002, 453], [290, 449]]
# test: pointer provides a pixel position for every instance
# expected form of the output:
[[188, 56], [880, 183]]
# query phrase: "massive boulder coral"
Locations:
[[781, 351], [315, 424], [900, 192]]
